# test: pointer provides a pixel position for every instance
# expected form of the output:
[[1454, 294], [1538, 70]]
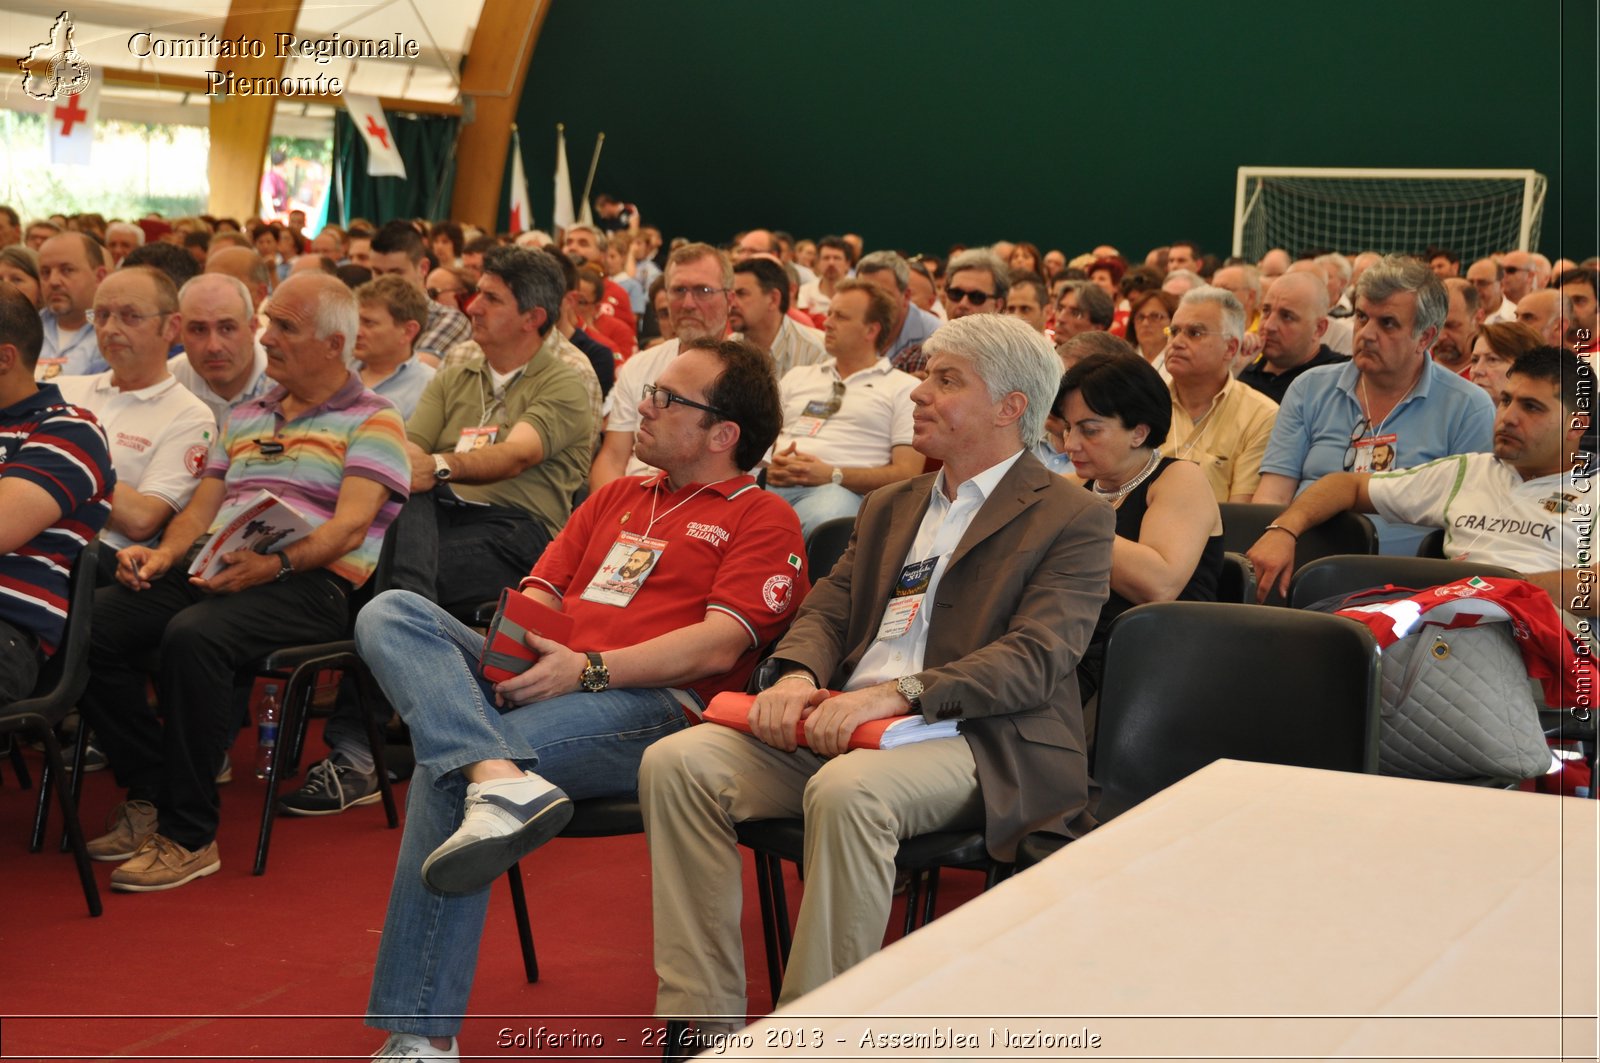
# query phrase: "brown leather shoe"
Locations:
[[127, 827], [163, 864]]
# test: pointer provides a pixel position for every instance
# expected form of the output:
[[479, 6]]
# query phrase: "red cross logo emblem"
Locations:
[[377, 132]]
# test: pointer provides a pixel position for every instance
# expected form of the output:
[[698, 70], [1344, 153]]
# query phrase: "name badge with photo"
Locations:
[[476, 438], [905, 602], [1375, 453], [627, 565]]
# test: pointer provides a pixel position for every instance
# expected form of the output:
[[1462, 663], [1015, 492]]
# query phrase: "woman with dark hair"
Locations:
[[1495, 348], [1149, 314], [1025, 256], [19, 267], [1116, 412]]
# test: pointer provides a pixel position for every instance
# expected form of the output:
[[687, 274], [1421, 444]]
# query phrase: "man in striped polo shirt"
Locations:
[[55, 490], [331, 450]]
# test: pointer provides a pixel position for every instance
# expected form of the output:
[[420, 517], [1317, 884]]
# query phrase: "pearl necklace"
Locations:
[[1116, 495]]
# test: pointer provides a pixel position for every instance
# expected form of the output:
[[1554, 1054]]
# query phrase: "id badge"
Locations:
[[49, 368], [910, 590], [806, 426], [627, 565], [1375, 453], [476, 438]]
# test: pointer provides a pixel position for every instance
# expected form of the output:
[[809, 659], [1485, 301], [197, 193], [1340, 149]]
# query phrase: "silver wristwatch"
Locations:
[[441, 468], [910, 688]]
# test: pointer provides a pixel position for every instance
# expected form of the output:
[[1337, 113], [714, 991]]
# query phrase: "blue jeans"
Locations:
[[588, 744], [818, 505]]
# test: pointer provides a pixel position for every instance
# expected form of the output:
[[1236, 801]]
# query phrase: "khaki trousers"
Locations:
[[695, 785]]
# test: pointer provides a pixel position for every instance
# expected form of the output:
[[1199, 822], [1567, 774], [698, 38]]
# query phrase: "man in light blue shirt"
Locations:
[[1389, 407], [892, 273], [71, 267], [393, 314]]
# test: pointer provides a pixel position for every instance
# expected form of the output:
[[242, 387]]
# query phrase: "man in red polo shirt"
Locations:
[[654, 637]]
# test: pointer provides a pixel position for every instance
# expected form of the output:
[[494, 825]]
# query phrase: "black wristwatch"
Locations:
[[596, 677], [285, 570]]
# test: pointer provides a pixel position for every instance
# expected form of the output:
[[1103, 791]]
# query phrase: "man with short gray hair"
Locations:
[[1518, 276], [1494, 306], [976, 282], [892, 273], [1244, 281], [997, 656], [1217, 422], [121, 238], [1082, 307], [1390, 407]]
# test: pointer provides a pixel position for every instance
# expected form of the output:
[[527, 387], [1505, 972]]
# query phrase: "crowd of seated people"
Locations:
[[641, 433]]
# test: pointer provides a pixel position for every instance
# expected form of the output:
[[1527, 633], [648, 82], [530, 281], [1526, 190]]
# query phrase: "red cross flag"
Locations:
[[70, 120], [517, 195], [383, 158]]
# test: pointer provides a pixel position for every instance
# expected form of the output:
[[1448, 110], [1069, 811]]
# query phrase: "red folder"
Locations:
[[505, 654], [732, 709]]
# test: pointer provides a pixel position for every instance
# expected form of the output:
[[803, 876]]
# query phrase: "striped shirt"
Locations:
[[61, 449], [304, 461]]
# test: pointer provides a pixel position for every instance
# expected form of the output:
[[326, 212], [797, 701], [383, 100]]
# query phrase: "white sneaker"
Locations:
[[505, 820], [401, 1046]]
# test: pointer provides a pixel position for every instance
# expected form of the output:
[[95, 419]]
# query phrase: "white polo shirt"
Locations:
[[1489, 512], [874, 413], [160, 436]]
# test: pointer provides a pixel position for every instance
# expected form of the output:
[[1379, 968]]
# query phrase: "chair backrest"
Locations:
[[1188, 683], [1432, 544], [65, 675], [1237, 582], [826, 544], [1346, 574], [1345, 533]]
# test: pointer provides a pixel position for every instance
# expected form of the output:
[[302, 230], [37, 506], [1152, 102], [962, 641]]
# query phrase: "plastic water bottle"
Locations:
[[267, 715]]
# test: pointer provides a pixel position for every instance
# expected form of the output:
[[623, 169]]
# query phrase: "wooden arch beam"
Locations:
[[242, 125], [502, 46]]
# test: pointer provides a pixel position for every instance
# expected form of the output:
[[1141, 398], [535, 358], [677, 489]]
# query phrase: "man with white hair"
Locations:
[[997, 656], [326, 446], [121, 238], [1339, 270], [1217, 422]]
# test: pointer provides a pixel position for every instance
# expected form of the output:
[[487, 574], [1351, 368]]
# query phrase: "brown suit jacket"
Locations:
[[1014, 612]]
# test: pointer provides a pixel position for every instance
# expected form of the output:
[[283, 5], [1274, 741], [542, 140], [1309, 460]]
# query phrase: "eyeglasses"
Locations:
[[1194, 332], [127, 316], [1151, 318], [700, 293], [661, 398], [973, 296], [1361, 431]]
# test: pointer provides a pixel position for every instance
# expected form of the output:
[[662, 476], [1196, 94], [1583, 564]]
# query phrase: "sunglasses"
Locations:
[[973, 296]]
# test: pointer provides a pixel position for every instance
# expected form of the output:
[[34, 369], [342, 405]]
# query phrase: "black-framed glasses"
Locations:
[[661, 398], [974, 296], [1361, 431]]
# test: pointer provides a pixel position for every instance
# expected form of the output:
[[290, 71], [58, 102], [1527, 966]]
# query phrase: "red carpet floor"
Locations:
[[241, 967]]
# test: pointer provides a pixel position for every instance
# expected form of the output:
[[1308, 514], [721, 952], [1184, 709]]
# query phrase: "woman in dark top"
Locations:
[[1169, 531]]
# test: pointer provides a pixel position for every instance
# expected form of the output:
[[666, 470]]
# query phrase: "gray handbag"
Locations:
[[1457, 704]]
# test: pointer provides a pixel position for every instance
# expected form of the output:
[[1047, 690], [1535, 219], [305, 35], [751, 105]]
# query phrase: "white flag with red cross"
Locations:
[[521, 211], [383, 157], [71, 122]]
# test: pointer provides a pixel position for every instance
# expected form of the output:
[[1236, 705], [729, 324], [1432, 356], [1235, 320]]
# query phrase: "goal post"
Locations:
[[1472, 212]]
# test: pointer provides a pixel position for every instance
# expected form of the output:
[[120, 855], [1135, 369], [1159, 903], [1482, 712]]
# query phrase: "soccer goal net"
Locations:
[[1471, 212]]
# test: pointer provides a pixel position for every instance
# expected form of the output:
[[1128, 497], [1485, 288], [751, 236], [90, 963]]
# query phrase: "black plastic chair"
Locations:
[[596, 817], [60, 685], [1346, 533], [1188, 683], [1348, 573], [1432, 544], [1237, 582], [826, 545]]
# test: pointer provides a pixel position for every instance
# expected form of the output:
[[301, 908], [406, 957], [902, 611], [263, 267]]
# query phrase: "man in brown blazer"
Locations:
[[968, 595]]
